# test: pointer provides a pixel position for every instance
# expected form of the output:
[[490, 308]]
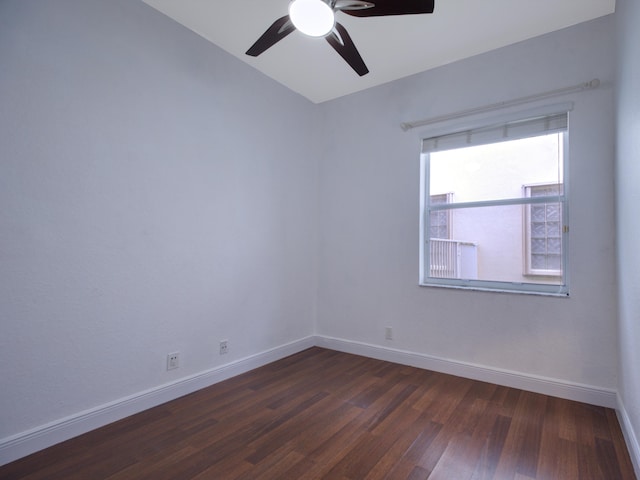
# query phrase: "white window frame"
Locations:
[[428, 142]]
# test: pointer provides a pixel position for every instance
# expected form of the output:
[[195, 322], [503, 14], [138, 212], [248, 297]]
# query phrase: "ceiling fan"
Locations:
[[316, 18]]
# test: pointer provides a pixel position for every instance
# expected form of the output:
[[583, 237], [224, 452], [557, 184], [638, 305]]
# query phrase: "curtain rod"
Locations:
[[595, 83]]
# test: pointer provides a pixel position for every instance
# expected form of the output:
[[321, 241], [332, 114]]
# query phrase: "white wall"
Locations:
[[156, 195], [628, 225], [369, 187]]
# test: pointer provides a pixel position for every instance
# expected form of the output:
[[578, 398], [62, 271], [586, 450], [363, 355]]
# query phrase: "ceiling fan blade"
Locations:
[[351, 5], [341, 42], [392, 7], [276, 32]]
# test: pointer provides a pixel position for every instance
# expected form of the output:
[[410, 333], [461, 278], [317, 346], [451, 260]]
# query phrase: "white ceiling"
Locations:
[[392, 47]]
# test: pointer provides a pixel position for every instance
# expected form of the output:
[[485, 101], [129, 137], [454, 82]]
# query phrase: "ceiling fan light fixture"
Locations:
[[312, 17]]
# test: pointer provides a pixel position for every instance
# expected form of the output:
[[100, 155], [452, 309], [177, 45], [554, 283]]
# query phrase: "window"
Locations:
[[440, 221], [543, 232], [503, 224]]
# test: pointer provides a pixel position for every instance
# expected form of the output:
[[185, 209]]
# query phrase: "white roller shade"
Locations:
[[514, 130]]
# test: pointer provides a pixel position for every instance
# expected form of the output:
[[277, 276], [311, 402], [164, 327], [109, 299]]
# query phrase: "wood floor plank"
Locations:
[[617, 438], [492, 449], [554, 429], [374, 445], [531, 413], [405, 466], [418, 473], [406, 439], [291, 426], [588, 463], [322, 414], [567, 459], [606, 455], [520, 454]]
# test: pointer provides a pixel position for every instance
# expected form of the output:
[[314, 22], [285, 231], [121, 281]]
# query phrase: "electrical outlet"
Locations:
[[173, 360], [388, 333], [224, 347]]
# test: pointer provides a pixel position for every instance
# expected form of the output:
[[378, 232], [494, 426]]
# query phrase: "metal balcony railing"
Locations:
[[453, 259]]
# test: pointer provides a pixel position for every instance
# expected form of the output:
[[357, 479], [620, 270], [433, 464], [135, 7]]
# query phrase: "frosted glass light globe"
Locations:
[[312, 17]]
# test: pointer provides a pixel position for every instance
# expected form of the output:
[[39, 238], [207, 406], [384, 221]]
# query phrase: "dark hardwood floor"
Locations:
[[322, 414]]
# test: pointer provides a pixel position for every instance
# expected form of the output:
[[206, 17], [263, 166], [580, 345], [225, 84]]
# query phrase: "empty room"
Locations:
[[402, 245]]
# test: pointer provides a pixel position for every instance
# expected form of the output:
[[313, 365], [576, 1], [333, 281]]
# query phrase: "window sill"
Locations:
[[496, 290]]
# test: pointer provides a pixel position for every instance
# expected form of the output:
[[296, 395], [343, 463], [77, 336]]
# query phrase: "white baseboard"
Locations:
[[633, 443], [26, 443], [532, 383]]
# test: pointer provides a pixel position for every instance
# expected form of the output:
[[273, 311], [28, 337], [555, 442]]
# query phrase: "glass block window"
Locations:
[[440, 221], [543, 248]]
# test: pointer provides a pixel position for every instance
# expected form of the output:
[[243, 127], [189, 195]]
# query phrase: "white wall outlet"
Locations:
[[224, 347], [173, 360], [388, 333]]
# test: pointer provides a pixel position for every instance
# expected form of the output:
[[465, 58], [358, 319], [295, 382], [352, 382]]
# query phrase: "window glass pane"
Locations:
[[554, 262], [439, 219], [498, 171], [553, 212], [553, 229], [546, 190], [488, 246], [538, 214], [538, 230], [538, 261]]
